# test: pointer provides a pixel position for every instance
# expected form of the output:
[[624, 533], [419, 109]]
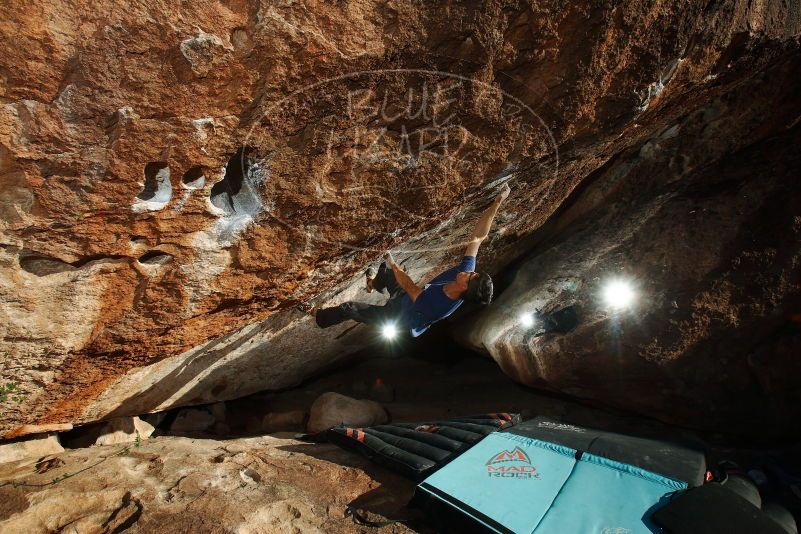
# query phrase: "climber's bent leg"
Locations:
[[385, 279]]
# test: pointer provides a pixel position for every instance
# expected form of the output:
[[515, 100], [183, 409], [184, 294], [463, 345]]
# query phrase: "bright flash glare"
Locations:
[[618, 294], [526, 319], [389, 331]]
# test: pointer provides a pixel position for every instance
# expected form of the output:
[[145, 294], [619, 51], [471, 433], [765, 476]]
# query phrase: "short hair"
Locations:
[[479, 289]]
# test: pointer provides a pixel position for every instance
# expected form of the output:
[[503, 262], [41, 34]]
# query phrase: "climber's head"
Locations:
[[476, 287]]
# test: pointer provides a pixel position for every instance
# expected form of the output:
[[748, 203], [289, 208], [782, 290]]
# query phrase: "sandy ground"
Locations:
[[275, 482]]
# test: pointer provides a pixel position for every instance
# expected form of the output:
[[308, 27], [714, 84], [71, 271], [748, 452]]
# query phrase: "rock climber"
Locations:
[[414, 308]]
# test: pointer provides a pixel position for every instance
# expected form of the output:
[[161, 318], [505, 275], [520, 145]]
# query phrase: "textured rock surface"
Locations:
[[279, 422], [147, 262], [332, 409], [712, 340], [259, 485], [30, 447], [703, 218], [124, 430], [273, 483], [116, 431], [193, 420]]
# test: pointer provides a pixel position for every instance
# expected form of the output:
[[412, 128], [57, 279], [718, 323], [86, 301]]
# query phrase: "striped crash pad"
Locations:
[[416, 450]]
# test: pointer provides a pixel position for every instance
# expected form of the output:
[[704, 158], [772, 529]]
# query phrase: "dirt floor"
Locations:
[[256, 482]]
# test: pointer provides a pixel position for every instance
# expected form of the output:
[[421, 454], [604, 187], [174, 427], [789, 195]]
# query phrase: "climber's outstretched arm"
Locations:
[[484, 223], [403, 279]]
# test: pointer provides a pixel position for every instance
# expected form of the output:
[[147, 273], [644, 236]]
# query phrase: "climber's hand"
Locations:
[[503, 194], [390, 261]]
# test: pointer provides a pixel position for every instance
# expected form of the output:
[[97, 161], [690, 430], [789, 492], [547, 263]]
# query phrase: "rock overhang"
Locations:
[[148, 333]]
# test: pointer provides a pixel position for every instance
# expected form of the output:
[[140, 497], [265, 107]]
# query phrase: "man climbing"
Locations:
[[414, 308]]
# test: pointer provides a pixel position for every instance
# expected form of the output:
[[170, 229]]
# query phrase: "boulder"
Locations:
[[331, 409], [32, 447], [124, 430], [710, 338], [291, 421], [118, 430], [193, 420], [128, 285], [209, 419], [219, 412]]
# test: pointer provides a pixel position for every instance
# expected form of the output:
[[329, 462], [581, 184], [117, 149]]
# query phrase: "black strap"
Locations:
[[360, 519], [465, 508]]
